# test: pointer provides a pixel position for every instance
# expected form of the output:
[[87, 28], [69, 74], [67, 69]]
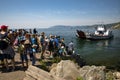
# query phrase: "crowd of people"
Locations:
[[28, 44]]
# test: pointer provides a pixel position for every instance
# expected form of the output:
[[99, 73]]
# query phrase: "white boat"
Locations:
[[100, 33]]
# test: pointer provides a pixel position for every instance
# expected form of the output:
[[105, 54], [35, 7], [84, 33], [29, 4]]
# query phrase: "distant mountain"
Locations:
[[61, 26], [68, 27]]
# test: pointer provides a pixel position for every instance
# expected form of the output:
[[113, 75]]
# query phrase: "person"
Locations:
[[28, 48], [34, 43], [51, 46], [55, 46], [34, 31], [3, 37], [19, 38], [30, 31], [47, 45], [23, 55], [1, 58], [6, 47], [70, 48], [43, 45], [62, 48], [56, 43]]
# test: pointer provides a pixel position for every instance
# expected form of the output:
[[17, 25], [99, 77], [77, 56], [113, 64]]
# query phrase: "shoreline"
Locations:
[[68, 70], [41, 64]]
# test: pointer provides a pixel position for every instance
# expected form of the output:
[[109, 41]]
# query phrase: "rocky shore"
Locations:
[[60, 70], [68, 70]]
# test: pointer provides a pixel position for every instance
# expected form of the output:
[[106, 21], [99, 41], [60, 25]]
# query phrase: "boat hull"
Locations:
[[95, 37]]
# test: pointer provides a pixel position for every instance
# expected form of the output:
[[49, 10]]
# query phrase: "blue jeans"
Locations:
[[23, 57]]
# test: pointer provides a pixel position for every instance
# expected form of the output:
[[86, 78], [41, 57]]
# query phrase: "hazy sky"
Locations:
[[46, 13]]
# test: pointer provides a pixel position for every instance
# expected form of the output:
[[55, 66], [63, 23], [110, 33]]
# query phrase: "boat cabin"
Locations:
[[101, 30]]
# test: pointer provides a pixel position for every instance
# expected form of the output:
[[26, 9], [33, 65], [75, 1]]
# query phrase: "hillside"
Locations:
[[110, 25], [116, 26]]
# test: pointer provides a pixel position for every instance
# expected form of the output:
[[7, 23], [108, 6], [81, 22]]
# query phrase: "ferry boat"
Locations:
[[101, 33]]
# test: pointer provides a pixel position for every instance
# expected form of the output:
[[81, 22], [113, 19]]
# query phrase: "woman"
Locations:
[[28, 48], [34, 44], [6, 48]]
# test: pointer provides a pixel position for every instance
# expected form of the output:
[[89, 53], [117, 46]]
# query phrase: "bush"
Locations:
[[44, 66], [79, 78]]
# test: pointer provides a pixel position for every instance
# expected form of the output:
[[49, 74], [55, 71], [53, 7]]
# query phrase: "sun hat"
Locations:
[[4, 27]]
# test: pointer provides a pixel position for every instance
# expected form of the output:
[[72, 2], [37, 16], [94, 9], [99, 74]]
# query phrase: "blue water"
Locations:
[[104, 52]]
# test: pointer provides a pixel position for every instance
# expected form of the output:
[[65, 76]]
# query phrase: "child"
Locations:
[[23, 55]]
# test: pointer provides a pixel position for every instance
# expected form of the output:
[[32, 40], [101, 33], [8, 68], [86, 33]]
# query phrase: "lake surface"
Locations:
[[103, 52]]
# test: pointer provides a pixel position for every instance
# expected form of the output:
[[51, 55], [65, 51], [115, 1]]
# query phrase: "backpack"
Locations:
[[4, 41], [3, 44], [51, 43], [42, 40]]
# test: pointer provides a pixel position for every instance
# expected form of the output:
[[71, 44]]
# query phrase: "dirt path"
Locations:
[[19, 72]]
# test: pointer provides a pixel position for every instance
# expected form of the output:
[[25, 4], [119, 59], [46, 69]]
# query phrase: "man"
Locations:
[[70, 48]]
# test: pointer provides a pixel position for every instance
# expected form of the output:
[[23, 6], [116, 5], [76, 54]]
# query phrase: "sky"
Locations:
[[47, 13]]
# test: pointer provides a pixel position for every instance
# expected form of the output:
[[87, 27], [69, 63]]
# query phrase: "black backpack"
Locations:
[[4, 42]]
